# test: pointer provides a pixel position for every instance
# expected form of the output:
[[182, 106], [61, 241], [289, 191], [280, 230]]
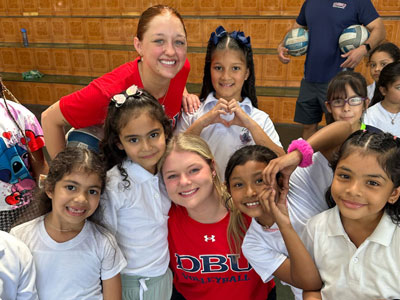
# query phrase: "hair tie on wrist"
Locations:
[[305, 149]]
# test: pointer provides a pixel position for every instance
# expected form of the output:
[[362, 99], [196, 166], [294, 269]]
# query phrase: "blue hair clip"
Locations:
[[239, 36], [219, 33]]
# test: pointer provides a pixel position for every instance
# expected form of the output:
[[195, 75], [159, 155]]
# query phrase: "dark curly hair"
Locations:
[[69, 160], [118, 117]]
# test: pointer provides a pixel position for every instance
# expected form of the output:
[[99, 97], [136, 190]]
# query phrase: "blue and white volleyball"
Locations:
[[88, 137], [353, 37], [296, 41]]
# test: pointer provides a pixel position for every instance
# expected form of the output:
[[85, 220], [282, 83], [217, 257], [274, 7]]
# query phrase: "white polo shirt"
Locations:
[[17, 270], [138, 217], [224, 141], [266, 250], [370, 271], [379, 117]]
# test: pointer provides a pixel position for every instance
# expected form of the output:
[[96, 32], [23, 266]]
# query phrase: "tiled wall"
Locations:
[[91, 37]]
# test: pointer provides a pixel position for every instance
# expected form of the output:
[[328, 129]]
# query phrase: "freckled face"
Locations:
[[163, 46], [189, 180]]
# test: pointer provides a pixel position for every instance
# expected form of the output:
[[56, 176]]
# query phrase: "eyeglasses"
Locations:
[[132, 91], [353, 101]]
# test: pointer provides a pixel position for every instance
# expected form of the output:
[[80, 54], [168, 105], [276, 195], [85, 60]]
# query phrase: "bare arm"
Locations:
[[377, 35], [53, 123], [282, 51], [112, 289], [312, 295], [38, 163], [299, 269], [324, 140]]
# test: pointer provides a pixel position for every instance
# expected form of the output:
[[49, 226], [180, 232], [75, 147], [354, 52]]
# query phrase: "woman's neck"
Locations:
[[210, 211], [391, 107], [156, 85]]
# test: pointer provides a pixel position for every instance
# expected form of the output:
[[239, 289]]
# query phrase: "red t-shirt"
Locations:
[[202, 265], [88, 106]]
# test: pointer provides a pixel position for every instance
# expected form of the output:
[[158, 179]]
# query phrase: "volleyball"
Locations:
[[353, 37], [296, 41], [88, 137]]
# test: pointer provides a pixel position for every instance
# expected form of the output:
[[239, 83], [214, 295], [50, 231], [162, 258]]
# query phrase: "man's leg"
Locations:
[[309, 130], [308, 110]]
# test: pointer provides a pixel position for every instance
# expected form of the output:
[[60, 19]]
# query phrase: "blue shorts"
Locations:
[[310, 104]]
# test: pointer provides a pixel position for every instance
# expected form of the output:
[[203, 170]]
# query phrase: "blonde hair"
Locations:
[[193, 143]]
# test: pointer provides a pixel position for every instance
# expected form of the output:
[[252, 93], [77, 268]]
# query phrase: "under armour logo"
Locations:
[[211, 238]]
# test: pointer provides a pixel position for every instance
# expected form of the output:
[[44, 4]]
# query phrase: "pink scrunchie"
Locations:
[[305, 149]]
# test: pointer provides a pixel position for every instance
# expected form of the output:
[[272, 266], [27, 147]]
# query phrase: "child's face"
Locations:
[[245, 183], [163, 46], [392, 92], [228, 73], [361, 188], [377, 62], [349, 113], [143, 140], [189, 180], [75, 197]]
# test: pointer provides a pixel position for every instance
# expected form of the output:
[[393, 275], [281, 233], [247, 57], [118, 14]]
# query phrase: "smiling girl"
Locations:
[[228, 117], [204, 264], [135, 135], [161, 69], [347, 99], [355, 243], [74, 257]]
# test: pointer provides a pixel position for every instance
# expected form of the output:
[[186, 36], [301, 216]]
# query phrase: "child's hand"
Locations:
[[277, 208], [190, 103], [214, 115], [285, 165], [240, 117]]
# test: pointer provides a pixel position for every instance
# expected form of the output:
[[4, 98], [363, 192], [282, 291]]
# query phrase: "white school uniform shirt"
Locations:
[[370, 271], [371, 90], [380, 118], [266, 250], [138, 217], [224, 141], [17, 270], [73, 269]]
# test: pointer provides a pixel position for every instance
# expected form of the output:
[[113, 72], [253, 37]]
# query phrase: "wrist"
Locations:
[[367, 47], [266, 224], [305, 149]]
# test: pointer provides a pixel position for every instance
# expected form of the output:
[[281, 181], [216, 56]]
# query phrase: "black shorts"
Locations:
[[310, 104]]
